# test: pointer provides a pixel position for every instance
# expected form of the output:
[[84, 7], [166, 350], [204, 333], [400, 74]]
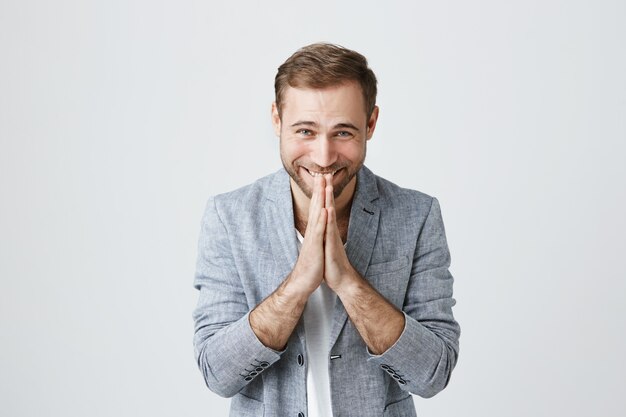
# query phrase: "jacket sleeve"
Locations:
[[226, 349], [423, 357]]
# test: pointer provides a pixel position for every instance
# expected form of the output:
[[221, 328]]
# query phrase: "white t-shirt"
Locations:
[[318, 316]]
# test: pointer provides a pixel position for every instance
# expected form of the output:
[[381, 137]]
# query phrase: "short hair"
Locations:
[[322, 65]]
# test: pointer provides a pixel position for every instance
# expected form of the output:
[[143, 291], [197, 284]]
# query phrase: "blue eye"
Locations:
[[305, 132], [344, 134]]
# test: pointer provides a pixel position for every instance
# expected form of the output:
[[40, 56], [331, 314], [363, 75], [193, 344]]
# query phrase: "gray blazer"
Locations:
[[396, 240]]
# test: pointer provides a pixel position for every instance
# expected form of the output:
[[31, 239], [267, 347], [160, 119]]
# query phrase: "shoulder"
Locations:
[[247, 200], [391, 195], [260, 189]]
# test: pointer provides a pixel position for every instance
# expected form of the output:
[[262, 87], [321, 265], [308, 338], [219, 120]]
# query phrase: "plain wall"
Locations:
[[119, 118]]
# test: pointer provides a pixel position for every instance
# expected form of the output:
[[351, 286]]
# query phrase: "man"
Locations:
[[324, 289]]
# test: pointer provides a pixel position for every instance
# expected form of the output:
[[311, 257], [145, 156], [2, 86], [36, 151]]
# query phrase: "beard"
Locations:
[[346, 169]]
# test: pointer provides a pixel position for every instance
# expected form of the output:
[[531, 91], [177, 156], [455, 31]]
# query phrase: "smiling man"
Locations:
[[324, 289]]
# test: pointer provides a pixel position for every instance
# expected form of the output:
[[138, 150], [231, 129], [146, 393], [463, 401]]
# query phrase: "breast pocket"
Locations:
[[387, 267], [390, 279]]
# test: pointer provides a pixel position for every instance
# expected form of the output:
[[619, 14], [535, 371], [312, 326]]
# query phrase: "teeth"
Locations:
[[317, 174]]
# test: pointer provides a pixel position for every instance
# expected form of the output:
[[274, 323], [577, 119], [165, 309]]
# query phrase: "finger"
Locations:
[[332, 230], [329, 201], [333, 237], [316, 200], [329, 219], [330, 239], [322, 187], [314, 239], [331, 226], [320, 227], [318, 190], [329, 196]]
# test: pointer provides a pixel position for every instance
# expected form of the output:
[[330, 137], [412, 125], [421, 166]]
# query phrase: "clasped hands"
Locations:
[[322, 256]]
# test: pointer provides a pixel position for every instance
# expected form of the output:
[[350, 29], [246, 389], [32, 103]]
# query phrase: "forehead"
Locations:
[[339, 101]]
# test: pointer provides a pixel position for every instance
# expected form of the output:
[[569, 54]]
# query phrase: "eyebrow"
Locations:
[[337, 126]]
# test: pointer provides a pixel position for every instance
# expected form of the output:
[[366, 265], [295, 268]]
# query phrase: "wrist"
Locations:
[[349, 284], [292, 290]]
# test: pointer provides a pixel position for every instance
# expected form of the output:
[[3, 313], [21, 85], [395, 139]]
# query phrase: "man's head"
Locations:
[[322, 65], [325, 111]]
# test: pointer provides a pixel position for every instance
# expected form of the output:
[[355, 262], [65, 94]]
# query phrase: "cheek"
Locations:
[[354, 152], [293, 150]]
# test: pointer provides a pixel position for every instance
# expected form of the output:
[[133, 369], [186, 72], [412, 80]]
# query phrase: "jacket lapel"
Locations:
[[282, 231], [280, 226], [362, 231]]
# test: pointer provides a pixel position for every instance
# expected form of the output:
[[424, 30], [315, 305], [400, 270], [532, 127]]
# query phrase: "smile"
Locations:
[[318, 174]]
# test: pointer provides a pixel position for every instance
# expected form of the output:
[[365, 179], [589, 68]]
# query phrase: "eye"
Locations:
[[304, 132], [343, 134]]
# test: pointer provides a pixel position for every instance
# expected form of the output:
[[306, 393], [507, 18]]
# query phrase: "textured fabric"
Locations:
[[396, 241]]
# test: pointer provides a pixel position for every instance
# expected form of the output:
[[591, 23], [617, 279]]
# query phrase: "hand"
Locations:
[[337, 267], [309, 270], [274, 319]]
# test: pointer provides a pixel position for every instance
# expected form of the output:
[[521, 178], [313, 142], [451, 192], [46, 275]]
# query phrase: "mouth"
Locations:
[[320, 173]]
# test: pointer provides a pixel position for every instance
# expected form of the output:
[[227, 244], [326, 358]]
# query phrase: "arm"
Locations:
[[427, 351], [233, 345], [274, 319], [378, 321], [226, 348], [421, 348]]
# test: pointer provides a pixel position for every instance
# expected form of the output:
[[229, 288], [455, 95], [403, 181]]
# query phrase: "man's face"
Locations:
[[323, 131]]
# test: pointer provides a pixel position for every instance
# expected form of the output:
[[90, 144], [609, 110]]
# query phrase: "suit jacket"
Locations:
[[247, 247]]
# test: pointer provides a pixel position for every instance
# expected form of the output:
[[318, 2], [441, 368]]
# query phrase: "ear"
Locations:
[[371, 123], [276, 119]]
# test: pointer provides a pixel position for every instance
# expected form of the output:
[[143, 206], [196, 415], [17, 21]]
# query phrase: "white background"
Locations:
[[119, 118]]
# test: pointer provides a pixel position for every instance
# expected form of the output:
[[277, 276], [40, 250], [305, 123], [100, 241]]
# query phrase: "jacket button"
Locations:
[[384, 366], [300, 414], [300, 362], [264, 364]]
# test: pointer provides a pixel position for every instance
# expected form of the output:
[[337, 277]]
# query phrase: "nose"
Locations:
[[324, 153]]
